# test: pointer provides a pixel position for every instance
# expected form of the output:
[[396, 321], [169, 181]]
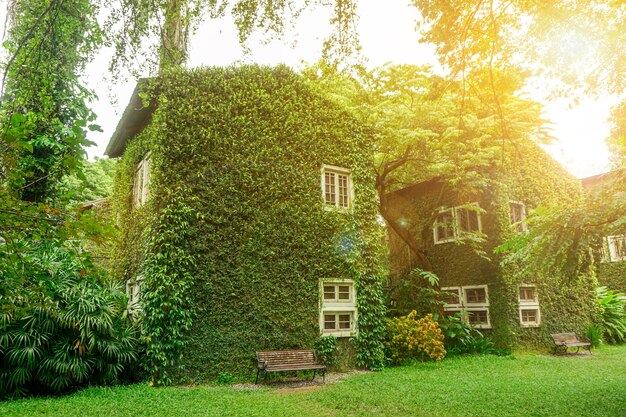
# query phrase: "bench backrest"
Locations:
[[286, 357], [565, 338]]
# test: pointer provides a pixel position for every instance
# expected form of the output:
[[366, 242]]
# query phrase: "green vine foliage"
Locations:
[[325, 348], [246, 145], [167, 303]]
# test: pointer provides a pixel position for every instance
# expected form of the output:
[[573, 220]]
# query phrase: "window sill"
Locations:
[[345, 333], [441, 242]]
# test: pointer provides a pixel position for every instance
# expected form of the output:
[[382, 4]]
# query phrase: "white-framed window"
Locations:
[[337, 187], [338, 311], [443, 230], [517, 215], [133, 292], [529, 312], [468, 219], [141, 184], [338, 322], [453, 297], [472, 299], [617, 248], [451, 223]]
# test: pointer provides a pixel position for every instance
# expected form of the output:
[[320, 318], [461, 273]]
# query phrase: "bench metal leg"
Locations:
[[313, 379]]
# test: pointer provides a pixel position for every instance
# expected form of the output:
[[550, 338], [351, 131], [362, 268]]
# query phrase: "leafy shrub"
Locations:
[[594, 335], [62, 324], [461, 338], [325, 348], [613, 314], [416, 291], [225, 378], [411, 338]]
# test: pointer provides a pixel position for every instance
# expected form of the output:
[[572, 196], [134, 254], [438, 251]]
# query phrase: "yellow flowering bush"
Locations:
[[411, 338]]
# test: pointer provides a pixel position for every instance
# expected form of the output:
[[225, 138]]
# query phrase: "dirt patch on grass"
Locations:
[[568, 355], [299, 384]]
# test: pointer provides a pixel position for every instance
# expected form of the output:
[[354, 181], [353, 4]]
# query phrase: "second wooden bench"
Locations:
[[562, 341]]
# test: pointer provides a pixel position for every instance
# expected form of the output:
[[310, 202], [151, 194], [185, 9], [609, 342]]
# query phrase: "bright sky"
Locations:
[[387, 30]]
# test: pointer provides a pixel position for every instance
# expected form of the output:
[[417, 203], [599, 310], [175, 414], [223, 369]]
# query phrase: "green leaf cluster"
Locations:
[[166, 302], [612, 314]]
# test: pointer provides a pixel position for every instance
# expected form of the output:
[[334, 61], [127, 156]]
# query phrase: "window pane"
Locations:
[[516, 213], [463, 220], [527, 294], [617, 245], [343, 190], [478, 317], [344, 321], [468, 220], [451, 297], [476, 295], [138, 184], [329, 292], [473, 221], [529, 316], [146, 180], [444, 226], [344, 292], [329, 188], [329, 322]]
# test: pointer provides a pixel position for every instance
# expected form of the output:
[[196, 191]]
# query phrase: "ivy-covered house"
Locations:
[[445, 220], [262, 191], [611, 269]]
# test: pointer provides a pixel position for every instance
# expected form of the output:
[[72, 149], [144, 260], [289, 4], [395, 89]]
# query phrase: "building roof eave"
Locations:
[[134, 119]]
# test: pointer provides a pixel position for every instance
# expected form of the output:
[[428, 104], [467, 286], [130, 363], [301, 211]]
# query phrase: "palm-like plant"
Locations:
[[65, 327], [613, 314]]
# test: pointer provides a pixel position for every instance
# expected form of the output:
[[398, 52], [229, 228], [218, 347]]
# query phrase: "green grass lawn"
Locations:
[[520, 385]]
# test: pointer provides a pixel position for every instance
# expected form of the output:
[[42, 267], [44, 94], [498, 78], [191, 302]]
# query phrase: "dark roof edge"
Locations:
[[134, 118], [598, 178]]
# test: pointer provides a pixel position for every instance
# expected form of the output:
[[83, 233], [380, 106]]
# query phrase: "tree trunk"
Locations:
[[402, 232], [174, 35]]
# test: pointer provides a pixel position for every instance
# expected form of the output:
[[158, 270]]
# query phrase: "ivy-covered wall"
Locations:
[[242, 150], [533, 178], [611, 274]]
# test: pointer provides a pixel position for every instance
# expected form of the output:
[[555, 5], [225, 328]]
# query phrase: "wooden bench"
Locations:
[[562, 341], [288, 360]]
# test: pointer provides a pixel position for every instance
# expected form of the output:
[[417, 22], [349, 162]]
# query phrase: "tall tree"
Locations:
[[44, 111], [165, 26]]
